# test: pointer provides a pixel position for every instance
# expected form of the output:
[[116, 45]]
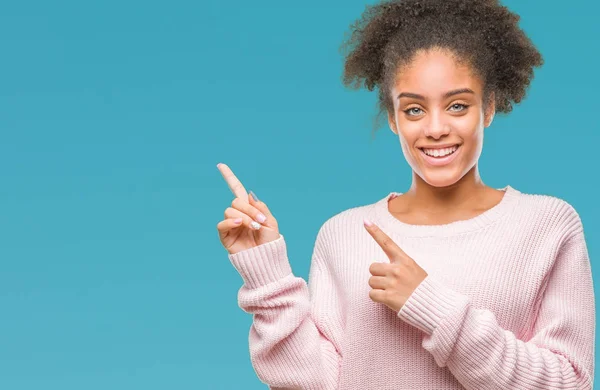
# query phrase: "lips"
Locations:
[[444, 146], [440, 161]]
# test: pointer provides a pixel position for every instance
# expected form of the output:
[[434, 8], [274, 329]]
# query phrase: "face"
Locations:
[[438, 102]]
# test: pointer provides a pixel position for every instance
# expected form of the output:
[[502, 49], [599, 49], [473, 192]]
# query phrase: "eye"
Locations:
[[410, 111], [460, 105]]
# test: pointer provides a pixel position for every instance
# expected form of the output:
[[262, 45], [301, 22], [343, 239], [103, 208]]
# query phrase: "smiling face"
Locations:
[[438, 102]]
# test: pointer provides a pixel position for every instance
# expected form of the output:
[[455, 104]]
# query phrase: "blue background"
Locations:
[[114, 115]]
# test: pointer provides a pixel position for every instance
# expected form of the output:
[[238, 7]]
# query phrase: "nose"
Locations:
[[436, 126]]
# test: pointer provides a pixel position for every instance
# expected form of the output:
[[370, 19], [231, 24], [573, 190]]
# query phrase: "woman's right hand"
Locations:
[[243, 227]]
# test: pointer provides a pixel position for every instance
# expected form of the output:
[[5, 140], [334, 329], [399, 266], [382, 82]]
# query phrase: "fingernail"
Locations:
[[261, 218], [255, 225], [253, 195], [237, 220], [367, 222]]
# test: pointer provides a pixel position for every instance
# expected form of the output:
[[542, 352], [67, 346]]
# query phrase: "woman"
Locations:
[[451, 284]]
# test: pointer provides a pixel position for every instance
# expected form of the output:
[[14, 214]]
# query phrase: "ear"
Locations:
[[392, 123], [490, 110]]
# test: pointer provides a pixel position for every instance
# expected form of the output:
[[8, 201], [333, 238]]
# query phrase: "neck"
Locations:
[[467, 191]]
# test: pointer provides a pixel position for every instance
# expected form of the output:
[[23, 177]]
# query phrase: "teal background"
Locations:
[[113, 117]]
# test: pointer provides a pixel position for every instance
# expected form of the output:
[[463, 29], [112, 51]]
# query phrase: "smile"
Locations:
[[439, 157]]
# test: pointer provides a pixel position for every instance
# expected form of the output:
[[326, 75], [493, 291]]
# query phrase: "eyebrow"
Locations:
[[446, 95]]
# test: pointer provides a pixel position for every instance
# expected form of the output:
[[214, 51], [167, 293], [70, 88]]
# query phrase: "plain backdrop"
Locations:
[[113, 116]]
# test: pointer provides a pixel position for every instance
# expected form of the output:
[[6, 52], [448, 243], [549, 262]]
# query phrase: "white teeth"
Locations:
[[440, 152]]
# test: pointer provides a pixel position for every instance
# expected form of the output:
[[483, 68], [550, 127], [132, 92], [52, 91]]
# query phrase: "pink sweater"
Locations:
[[508, 304]]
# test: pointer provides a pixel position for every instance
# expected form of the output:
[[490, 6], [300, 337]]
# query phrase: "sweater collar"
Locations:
[[384, 218]]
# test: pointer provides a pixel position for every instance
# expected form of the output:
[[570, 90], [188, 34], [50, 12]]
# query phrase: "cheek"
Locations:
[[473, 146], [469, 128], [471, 132], [408, 138], [409, 132], [466, 124]]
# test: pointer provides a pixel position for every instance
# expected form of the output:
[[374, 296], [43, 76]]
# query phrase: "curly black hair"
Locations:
[[483, 33]]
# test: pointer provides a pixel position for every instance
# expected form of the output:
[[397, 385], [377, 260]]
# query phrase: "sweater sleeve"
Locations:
[[294, 324], [483, 355]]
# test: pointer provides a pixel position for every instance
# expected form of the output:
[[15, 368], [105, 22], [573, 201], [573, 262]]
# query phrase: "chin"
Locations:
[[442, 184], [442, 180]]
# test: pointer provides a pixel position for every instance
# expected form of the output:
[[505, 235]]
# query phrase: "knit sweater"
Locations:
[[508, 303]]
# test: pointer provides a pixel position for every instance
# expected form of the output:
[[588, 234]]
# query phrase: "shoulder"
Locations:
[[551, 212]]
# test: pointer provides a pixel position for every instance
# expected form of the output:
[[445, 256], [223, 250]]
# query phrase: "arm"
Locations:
[[293, 326], [482, 355]]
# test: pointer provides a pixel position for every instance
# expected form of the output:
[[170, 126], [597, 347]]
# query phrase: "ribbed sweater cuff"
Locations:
[[263, 264], [429, 304]]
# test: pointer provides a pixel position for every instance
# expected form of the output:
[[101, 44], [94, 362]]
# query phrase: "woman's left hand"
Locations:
[[393, 283]]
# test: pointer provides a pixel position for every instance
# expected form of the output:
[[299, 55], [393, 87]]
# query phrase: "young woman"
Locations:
[[451, 284]]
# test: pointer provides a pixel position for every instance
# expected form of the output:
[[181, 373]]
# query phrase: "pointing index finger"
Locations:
[[391, 249], [232, 181]]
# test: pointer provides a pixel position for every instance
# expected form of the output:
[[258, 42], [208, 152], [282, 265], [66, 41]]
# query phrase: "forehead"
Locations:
[[434, 72]]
